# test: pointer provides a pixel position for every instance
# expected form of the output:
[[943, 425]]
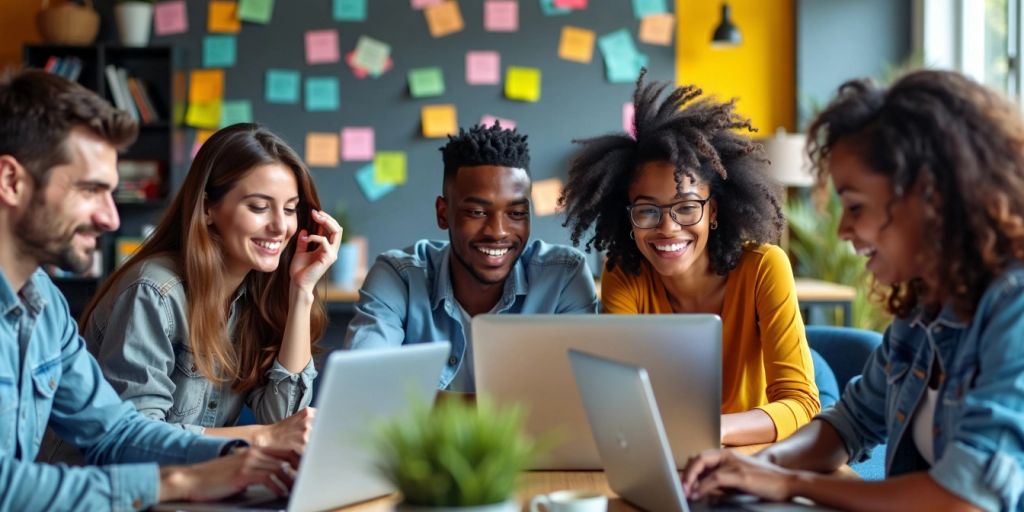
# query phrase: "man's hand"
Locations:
[[273, 468]]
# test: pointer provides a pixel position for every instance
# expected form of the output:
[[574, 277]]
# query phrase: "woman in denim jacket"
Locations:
[[930, 172], [217, 309]]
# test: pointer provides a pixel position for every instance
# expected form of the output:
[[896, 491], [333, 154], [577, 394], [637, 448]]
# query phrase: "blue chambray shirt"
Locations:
[[408, 297], [979, 414], [46, 375]]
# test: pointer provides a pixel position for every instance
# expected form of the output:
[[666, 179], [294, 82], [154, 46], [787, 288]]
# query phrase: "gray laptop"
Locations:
[[359, 389], [635, 449], [522, 358]]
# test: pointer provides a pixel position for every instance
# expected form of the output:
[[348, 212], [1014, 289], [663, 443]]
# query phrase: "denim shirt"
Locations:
[[979, 413], [408, 297], [47, 376]]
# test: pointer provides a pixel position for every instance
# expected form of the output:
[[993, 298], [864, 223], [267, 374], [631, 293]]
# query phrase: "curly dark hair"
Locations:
[[701, 138], [965, 144], [485, 145]]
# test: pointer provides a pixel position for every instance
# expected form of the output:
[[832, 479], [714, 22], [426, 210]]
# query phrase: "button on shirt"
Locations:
[[408, 297]]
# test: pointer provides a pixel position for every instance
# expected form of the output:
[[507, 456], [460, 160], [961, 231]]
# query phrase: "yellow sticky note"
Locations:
[[322, 149], [522, 83], [439, 120], [222, 17], [444, 18], [203, 114], [545, 196], [576, 44], [206, 85], [657, 29], [389, 168]]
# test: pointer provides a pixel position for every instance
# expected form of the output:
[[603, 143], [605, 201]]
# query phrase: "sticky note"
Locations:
[[322, 46], [389, 167], [371, 54], [357, 143], [483, 68], [371, 189], [501, 15], [219, 51], [657, 29], [617, 44], [625, 71], [576, 44], [489, 120], [321, 149], [361, 73], [522, 83], [170, 18], [282, 86], [419, 5], [201, 137], [322, 94], [206, 85], [349, 10], [571, 4], [256, 11], [234, 112], [621, 59], [426, 82], [444, 18], [628, 117], [549, 9], [438, 120], [643, 8], [544, 196], [222, 17], [203, 114]]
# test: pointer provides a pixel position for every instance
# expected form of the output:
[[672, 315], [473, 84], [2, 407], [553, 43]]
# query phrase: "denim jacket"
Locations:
[[979, 413], [408, 297], [46, 376]]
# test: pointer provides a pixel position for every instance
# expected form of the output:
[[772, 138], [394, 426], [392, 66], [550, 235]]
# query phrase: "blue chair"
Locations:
[[842, 353]]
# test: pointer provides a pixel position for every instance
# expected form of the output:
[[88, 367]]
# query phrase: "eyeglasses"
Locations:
[[684, 213]]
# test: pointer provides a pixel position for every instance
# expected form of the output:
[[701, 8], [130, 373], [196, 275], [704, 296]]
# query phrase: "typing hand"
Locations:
[[717, 472], [291, 433], [212, 480]]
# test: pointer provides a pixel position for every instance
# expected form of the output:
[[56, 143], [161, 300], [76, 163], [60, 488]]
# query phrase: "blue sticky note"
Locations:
[[624, 71], [371, 189], [282, 86], [234, 112], [322, 94], [549, 9], [350, 10], [219, 51], [643, 8], [617, 45]]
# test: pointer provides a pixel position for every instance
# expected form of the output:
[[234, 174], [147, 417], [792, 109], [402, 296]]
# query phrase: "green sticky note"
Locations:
[[219, 51], [282, 86], [371, 189], [426, 82], [643, 8], [322, 94], [350, 10], [234, 112], [389, 167], [371, 54], [257, 11]]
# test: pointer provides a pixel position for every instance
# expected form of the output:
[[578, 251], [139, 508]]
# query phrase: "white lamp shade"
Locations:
[[790, 164]]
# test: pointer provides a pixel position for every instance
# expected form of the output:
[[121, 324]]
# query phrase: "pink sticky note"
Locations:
[[422, 4], [506, 124], [321, 46], [361, 73], [628, 114], [501, 15], [170, 18], [357, 143], [483, 68], [571, 4]]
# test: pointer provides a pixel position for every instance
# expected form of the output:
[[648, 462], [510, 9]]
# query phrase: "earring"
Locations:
[[631, 236], [714, 224]]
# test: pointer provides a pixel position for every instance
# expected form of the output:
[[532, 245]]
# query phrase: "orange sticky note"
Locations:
[[223, 17], [322, 149], [206, 85], [657, 29], [444, 18], [576, 44], [522, 83], [439, 120], [545, 196]]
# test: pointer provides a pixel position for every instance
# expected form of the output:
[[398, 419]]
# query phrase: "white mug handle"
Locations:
[[538, 501]]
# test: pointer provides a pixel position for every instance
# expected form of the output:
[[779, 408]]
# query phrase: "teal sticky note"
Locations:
[[322, 94], [234, 112], [643, 8], [256, 11], [625, 71], [349, 10], [282, 86], [371, 189], [219, 51], [549, 9], [426, 82], [617, 45]]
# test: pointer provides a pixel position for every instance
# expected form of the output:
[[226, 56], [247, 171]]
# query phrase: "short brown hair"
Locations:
[[38, 111]]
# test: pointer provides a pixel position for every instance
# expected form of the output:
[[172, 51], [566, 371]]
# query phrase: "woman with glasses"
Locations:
[[687, 216]]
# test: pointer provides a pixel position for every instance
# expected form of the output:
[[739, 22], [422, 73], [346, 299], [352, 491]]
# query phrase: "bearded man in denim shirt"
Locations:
[[58, 167], [430, 291]]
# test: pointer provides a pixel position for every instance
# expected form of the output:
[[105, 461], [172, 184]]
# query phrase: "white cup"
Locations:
[[569, 501]]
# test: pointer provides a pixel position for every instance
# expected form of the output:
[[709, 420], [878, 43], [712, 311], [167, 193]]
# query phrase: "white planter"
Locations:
[[133, 22], [505, 506]]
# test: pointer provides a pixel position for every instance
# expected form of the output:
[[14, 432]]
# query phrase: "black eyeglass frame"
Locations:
[[672, 215]]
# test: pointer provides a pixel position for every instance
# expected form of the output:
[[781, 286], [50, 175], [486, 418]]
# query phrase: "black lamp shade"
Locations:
[[726, 34]]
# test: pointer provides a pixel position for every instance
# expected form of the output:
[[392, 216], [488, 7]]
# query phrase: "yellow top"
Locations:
[[766, 363]]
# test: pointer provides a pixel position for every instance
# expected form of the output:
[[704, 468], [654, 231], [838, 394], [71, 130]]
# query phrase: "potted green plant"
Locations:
[[134, 18], [459, 456]]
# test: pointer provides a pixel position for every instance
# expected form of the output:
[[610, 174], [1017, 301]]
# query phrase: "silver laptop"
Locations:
[[522, 358], [632, 440], [359, 389]]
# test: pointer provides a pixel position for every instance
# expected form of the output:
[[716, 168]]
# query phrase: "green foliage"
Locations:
[[458, 454], [340, 214]]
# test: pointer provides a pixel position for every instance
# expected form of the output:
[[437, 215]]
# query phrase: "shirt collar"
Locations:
[[947, 317], [29, 295], [516, 283]]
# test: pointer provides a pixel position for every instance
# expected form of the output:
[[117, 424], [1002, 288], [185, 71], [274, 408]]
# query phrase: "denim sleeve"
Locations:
[[983, 462], [284, 394], [380, 315], [579, 294]]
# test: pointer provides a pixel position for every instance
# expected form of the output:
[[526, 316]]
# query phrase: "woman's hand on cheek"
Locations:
[[308, 267]]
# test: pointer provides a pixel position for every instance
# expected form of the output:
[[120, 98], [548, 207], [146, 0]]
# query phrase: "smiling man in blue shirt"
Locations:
[[430, 291], [58, 167]]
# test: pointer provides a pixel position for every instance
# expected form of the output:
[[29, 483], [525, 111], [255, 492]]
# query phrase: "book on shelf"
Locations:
[[131, 94], [140, 181], [67, 67]]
